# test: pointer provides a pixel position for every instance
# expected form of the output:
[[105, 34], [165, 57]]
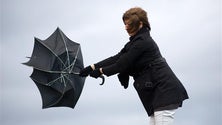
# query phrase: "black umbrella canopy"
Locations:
[[56, 63]]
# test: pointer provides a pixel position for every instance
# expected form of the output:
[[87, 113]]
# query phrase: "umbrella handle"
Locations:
[[103, 79]]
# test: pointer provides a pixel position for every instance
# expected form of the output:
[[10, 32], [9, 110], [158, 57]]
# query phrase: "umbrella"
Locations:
[[56, 63]]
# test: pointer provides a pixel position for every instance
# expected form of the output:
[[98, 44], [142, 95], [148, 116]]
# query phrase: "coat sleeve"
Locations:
[[109, 61], [127, 59]]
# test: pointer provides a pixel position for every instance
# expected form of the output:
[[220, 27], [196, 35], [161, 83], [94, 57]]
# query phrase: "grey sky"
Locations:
[[188, 33]]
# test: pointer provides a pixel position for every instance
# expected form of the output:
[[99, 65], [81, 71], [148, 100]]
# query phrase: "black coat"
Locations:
[[156, 84]]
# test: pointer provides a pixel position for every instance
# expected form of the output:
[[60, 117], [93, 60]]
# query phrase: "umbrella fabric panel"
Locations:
[[59, 43], [41, 57], [52, 98]]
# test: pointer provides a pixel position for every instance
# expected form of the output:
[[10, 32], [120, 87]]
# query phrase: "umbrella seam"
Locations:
[[67, 53], [52, 52]]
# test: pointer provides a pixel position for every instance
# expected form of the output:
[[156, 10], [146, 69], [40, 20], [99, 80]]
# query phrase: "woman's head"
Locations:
[[134, 19]]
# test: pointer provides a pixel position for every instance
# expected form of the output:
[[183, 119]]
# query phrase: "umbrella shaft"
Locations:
[[75, 73]]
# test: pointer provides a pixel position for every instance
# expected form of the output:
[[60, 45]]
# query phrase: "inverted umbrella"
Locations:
[[56, 64]]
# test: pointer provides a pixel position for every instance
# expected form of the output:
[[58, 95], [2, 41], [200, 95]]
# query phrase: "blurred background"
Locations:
[[188, 33]]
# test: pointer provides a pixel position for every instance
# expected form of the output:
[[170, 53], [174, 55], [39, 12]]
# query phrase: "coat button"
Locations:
[[148, 84]]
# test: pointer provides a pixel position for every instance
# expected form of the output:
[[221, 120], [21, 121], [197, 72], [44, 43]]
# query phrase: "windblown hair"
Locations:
[[135, 15]]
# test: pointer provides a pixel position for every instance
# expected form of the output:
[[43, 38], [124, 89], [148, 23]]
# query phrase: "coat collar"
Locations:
[[141, 31]]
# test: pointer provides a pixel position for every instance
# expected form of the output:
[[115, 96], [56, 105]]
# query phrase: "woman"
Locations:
[[159, 89]]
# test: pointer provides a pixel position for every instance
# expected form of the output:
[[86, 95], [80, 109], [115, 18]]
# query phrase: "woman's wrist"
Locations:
[[101, 70], [93, 67]]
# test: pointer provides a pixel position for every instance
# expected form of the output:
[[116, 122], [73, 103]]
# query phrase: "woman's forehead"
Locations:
[[127, 21]]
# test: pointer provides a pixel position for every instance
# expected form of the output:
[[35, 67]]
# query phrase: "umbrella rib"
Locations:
[[74, 61], [52, 52], [63, 80], [53, 81], [61, 77], [37, 81], [56, 100], [65, 48], [48, 84], [70, 81], [75, 73]]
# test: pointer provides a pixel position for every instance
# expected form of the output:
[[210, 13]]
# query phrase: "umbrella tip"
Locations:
[[58, 28], [37, 39]]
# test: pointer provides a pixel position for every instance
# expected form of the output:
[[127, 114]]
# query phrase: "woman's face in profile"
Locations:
[[130, 28]]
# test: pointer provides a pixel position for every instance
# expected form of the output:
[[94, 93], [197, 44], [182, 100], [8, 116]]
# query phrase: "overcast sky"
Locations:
[[188, 33]]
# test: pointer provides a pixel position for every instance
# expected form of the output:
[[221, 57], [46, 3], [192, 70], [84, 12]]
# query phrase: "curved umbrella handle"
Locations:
[[103, 79]]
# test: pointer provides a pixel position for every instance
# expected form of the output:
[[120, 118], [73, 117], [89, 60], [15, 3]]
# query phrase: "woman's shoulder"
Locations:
[[143, 39]]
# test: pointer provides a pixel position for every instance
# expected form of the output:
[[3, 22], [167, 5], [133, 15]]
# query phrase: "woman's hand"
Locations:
[[96, 73], [86, 71]]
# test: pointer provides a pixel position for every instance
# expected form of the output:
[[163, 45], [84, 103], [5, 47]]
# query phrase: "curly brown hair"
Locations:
[[136, 15]]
